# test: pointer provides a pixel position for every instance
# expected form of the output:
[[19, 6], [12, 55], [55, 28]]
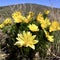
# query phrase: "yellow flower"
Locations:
[[33, 27], [40, 17], [49, 37], [26, 20], [1, 26], [45, 23], [54, 26], [7, 21], [31, 14], [47, 12], [26, 39], [17, 16], [29, 17], [19, 19]]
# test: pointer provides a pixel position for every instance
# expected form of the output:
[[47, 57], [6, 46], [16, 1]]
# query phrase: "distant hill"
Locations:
[[6, 11]]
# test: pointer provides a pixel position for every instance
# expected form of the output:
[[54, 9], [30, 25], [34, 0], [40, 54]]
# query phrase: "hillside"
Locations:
[[6, 11]]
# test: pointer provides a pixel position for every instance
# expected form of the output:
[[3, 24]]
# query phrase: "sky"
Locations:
[[51, 3]]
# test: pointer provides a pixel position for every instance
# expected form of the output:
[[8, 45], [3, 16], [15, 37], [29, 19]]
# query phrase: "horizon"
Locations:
[[30, 3], [49, 3]]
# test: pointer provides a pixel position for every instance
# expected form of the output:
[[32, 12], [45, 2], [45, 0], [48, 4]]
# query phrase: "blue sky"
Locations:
[[53, 3]]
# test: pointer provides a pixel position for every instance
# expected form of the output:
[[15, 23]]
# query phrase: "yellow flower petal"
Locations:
[[32, 46], [19, 43]]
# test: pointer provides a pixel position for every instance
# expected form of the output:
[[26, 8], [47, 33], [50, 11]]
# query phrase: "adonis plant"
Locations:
[[29, 34]]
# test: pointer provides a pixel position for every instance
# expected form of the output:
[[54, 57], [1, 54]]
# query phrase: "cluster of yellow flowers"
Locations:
[[6, 22], [18, 17], [44, 22], [54, 26], [26, 38]]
